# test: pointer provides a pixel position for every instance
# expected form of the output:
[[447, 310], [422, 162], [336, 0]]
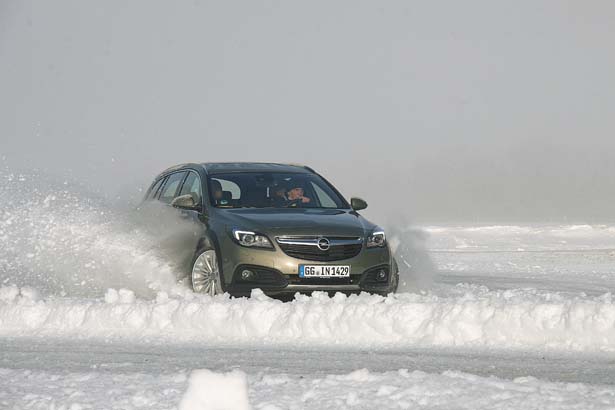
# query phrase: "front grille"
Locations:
[[307, 248]]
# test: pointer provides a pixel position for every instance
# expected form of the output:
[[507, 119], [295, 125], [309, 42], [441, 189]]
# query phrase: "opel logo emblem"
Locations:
[[323, 244]]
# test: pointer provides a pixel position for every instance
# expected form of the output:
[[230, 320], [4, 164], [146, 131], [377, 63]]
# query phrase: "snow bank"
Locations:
[[269, 391], [467, 316], [208, 390]]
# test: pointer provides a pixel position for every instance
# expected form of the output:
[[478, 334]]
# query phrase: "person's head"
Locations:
[[278, 191], [216, 189], [295, 192]]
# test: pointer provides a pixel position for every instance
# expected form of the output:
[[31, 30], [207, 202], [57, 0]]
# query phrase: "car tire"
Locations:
[[395, 276], [205, 276], [394, 283]]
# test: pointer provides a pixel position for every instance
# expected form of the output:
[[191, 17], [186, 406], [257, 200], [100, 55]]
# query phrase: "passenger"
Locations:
[[216, 191], [278, 195]]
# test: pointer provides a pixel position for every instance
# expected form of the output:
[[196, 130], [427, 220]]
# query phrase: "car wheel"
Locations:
[[394, 283], [205, 275], [394, 279]]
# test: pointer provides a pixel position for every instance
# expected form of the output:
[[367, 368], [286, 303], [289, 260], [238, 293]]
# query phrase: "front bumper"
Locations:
[[278, 273]]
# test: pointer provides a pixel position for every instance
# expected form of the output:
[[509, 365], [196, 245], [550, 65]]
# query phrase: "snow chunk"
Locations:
[[216, 391], [8, 294], [29, 294], [121, 296], [11, 294], [126, 296], [111, 296]]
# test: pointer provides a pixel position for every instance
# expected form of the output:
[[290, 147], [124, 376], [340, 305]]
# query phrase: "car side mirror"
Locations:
[[185, 202], [357, 204]]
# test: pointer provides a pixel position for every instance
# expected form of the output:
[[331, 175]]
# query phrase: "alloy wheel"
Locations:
[[206, 275]]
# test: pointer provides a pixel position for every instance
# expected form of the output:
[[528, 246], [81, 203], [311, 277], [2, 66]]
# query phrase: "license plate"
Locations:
[[324, 271]]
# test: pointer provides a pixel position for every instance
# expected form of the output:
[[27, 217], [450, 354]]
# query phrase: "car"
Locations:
[[276, 227]]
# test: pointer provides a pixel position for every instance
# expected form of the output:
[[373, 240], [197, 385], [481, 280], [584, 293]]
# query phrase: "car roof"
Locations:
[[226, 167]]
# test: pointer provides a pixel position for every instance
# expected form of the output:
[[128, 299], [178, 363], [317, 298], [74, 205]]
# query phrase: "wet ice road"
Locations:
[[570, 271], [570, 259]]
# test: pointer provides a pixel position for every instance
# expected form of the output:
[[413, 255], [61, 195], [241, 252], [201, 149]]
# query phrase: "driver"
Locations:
[[288, 195], [296, 195]]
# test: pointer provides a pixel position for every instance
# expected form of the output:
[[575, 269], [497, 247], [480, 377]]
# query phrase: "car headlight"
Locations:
[[251, 239], [376, 240]]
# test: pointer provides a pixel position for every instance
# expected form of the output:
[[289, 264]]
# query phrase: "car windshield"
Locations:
[[272, 190]]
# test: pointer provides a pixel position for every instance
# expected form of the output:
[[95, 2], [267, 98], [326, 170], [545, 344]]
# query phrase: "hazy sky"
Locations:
[[440, 110]]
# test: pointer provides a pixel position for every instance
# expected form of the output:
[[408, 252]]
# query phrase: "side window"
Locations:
[[171, 187], [192, 185], [224, 193], [229, 186], [325, 200], [152, 193]]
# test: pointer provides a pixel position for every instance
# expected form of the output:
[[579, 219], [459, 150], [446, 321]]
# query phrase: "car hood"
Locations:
[[298, 221]]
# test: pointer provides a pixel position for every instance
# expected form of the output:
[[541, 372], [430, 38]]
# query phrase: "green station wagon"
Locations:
[[280, 228]]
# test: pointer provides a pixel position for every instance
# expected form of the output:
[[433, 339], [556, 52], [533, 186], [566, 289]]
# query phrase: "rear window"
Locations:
[[154, 190]]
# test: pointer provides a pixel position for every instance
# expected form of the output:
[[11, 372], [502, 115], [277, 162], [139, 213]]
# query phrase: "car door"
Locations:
[[194, 217], [192, 186], [173, 231], [154, 190], [171, 187]]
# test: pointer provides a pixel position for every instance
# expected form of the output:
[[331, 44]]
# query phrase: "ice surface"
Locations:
[[563, 258], [360, 389]]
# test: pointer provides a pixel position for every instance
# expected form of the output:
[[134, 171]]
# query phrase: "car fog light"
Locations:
[[381, 276], [247, 274]]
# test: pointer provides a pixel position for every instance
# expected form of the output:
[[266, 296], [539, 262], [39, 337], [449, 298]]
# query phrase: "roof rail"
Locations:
[[301, 166]]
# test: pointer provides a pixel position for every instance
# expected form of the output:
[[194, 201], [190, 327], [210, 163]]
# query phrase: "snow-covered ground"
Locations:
[[360, 389], [489, 317]]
